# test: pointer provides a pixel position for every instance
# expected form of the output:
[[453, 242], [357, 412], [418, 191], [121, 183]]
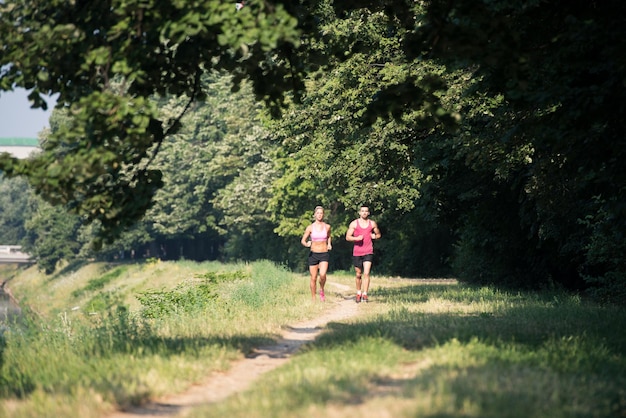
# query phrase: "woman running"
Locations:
[[320, 245]]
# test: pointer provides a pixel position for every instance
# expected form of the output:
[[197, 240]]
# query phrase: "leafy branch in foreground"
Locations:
[[98, 165]]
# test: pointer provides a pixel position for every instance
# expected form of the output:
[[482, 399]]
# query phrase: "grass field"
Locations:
[[104, 336]]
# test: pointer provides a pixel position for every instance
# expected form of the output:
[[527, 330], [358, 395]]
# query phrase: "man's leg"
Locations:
[[367, 266], [358, 280]]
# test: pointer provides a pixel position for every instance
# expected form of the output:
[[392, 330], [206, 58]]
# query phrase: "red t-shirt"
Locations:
[[365, 246]]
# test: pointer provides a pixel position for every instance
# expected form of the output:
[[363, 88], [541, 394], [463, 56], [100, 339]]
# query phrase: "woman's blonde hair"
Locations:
[[316, 209]]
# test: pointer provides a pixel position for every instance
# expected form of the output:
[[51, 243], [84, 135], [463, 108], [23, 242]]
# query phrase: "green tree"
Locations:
[[99, 164], [542, 174], [216, 173], [529, 177], [352, 141], [52, 235], [14, 195]]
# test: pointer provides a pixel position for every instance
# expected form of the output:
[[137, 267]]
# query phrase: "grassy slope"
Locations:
[[422, 349], [82, 356], [438, 350]]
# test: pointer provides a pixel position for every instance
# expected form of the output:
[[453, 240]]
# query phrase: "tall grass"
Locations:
[[452, 350], [419, 349], [159, 337]]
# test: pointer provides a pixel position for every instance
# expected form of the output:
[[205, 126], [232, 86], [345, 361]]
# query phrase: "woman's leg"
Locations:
[[323, 269], [313, 283]]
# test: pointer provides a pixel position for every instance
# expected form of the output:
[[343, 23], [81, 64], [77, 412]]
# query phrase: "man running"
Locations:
[[362, 232]]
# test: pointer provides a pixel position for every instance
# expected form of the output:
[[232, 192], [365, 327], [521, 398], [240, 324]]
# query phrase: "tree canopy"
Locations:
[[542, 177], [106, 61], [497, 123]]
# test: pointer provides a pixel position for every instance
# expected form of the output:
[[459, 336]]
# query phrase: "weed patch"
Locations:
[[188, 297], [99, 282]]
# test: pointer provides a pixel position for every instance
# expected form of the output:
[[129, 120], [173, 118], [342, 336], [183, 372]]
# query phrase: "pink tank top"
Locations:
[[365, 246], [319, 235]]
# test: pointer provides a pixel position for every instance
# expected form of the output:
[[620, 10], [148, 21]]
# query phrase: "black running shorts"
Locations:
[[357, 260], [316, 258]]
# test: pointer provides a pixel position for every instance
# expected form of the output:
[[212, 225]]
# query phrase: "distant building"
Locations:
[[19, 147], [12, 254]]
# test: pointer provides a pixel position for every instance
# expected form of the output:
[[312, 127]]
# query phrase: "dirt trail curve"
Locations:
[[243, 373]]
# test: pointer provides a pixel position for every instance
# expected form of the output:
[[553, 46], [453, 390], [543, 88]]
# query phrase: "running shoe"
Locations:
[[358, 298], [322, 295], [364, 298]]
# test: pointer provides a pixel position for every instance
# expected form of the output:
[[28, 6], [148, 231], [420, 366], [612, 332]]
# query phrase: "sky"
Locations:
[[17, 119]]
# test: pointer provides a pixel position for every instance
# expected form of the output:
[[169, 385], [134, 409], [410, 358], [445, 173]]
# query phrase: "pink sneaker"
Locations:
[[364, 298], [358, 298], [322, 295]]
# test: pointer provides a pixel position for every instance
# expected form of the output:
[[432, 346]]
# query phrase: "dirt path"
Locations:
[[243, 373]]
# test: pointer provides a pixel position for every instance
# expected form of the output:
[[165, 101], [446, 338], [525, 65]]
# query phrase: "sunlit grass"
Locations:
[[117, 357], [442, 350], [420, 348]]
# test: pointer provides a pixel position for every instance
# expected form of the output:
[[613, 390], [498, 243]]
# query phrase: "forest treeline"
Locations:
[[486, 136]]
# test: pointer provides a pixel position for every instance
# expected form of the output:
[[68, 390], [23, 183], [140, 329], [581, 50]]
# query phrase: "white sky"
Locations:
[[17, 119]]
